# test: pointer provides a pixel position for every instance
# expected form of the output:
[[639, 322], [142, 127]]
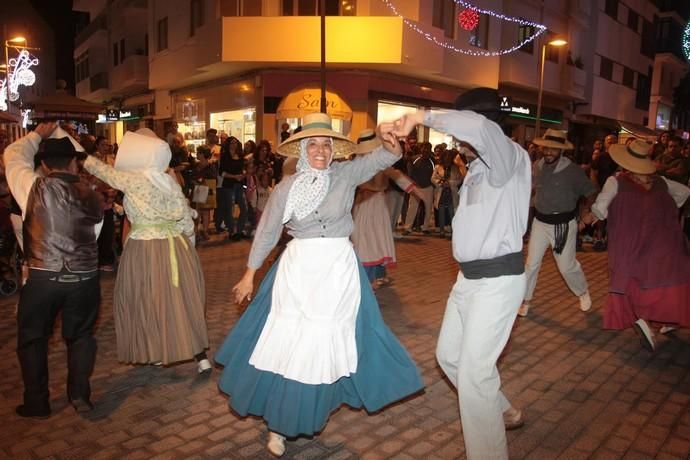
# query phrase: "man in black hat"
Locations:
[[487, 242], [62, 218]]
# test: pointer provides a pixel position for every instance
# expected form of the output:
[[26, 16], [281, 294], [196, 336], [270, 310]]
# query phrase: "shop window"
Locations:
[[479, 37], [611, 9], [525, 32], [633, 19], [628, 77], [444, 17], [162, 34], [240, 7], [606, 68], [663, 117], [196, 16], [239, 123], [312, 7]]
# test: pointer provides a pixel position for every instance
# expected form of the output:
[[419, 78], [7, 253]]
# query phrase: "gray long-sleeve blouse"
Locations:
[[331, 219]]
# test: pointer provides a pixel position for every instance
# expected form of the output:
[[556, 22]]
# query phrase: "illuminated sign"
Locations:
[[112, 115], [520, 109]]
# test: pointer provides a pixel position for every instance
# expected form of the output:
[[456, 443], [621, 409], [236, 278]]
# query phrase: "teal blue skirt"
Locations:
[[385, 372]]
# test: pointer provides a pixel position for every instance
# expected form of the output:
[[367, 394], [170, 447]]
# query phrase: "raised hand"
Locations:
[[390, 140], [405, 124], [45, 129]]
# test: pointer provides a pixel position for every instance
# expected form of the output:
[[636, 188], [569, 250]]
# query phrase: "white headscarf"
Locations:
[[309, 189], [144, 152]]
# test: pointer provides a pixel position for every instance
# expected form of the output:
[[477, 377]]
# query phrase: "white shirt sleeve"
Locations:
[[19, 167], [600, 208], [502, 155], [678, 191]]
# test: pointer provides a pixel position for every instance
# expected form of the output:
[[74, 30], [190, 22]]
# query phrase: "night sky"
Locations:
[[58, 14]]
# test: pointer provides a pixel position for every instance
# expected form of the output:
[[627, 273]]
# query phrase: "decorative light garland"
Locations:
[[686, 41], [18, 73], [539, 29]]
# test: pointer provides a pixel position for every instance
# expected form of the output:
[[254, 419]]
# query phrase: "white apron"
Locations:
[[309, 335]]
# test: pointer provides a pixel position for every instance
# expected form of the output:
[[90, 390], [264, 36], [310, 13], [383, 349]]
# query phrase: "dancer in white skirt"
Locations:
[[313, 337]]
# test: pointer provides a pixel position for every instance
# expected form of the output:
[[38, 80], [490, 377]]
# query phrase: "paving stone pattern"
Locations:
[[585, 392]]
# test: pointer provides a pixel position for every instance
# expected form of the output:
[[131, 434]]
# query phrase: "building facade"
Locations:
[[248, 66]]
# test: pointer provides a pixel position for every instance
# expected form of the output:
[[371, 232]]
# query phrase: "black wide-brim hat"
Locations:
[[481, 100], [53, 148]]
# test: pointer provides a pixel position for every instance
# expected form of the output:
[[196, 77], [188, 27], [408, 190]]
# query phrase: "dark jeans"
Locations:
[[106, 239], [219, 212], [39, 303], [234, 195]]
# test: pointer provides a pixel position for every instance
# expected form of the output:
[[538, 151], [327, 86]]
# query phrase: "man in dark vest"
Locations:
[[62, 218]]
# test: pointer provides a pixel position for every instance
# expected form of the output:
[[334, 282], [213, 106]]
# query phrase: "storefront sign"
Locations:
[[112, 115], [529, 111], [520, 109], [302, 101]]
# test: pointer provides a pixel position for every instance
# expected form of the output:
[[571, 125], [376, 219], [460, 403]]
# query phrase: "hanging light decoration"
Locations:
[[686, 41], [468, 19], [19, 73], [538, 30]]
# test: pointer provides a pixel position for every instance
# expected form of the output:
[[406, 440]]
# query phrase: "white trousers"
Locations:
[[476, 327], [428, 194], [541, 237], [394, 201]]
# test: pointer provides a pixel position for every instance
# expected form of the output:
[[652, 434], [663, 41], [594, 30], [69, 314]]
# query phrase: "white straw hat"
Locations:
[[634, 157], [367, 141], [317, 125]]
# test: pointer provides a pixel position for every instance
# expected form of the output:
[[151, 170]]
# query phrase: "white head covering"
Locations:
[[142, 151], [309, 189]]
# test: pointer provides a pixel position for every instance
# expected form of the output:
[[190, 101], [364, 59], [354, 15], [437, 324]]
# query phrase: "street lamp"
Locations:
[[556, 41]]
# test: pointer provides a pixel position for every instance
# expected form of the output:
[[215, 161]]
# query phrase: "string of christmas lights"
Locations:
[[539, 29], [686, 40]]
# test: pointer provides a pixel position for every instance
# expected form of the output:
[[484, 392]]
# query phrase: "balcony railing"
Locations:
[[99, 81]]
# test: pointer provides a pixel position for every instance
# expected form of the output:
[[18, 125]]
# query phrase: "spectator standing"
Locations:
[[232, 191], [421, 170]]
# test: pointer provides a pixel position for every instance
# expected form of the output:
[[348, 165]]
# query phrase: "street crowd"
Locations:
[[79, 205]]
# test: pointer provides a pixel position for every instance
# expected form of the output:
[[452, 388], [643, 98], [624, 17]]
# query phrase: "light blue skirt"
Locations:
[[385, 372]]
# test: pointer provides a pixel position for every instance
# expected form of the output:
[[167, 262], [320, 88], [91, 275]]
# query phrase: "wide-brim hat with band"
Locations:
[[555, 139], [634, 157], [367, 142], [317, 125]]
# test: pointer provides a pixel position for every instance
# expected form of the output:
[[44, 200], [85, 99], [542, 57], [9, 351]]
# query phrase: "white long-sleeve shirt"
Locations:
[[20, 172], [494, 197], [600, 208]]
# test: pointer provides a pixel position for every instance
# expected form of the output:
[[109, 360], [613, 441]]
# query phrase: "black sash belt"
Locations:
[[509, 264], [560, 231]]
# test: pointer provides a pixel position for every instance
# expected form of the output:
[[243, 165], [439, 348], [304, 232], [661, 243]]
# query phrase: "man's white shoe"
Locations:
[[585, 302], [276, 444], [524, 308], [667, 329], [204, 366], [645, 333]]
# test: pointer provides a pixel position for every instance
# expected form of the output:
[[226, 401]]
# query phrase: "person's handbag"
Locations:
[[200, 194]]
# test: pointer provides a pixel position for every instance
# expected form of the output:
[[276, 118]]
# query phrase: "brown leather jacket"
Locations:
[[59, 224]]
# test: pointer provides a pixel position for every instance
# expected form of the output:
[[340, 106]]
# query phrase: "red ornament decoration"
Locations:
[[468, 19]]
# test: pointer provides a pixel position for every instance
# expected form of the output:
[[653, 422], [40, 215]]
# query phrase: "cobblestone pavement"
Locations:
[[585, 392]]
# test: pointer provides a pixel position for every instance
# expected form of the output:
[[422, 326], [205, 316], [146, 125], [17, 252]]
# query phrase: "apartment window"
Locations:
[[480, 35], [633, 20], [611, 8], [116, 57], [312, 7], [162, 34], [644, 91], [146, 45], [444, 16], [196, 16], [647, 42], [606, 68], [628, 77], [525, 32], [81, 67], [240, 7], [553, 53]]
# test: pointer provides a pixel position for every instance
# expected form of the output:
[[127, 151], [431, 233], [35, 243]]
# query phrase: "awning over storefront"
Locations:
[[307, 99], [639, 131]]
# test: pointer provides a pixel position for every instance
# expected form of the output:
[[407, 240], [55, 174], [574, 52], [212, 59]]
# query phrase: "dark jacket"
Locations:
[[61, 213]]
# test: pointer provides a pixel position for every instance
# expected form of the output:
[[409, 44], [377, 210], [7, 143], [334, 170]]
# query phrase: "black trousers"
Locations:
[[39, 304], [106, 239]]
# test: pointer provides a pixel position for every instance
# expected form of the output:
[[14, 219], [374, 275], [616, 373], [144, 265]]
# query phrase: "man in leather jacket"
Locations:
[[62, 219]]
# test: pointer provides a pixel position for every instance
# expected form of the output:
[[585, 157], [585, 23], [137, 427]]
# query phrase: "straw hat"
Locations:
[[555, 139], [317, 125], [367, 142], [634, 157]]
